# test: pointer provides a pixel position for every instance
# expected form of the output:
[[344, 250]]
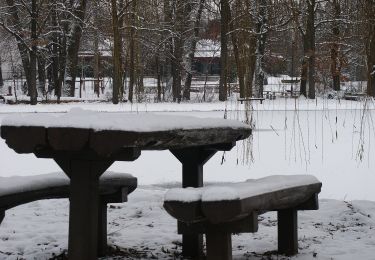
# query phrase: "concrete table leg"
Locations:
[[102, 228], [287, 232], [84, 206], [192, 161]]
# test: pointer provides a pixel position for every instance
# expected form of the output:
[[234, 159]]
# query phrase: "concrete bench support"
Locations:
[[219, 246], [113, 188], [219, 211], [287, 232], [192, 161], [261, 99]]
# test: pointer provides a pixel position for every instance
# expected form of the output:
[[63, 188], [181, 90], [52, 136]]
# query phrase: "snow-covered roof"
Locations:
[[143, 122], [104, 48], [103, 53], [279, 80], [207, 49]]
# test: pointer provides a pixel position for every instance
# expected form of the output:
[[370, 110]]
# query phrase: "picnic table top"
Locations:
[[107, 134]]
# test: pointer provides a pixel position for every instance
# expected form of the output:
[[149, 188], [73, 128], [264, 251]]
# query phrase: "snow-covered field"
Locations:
[[143, 230], [330, 139]]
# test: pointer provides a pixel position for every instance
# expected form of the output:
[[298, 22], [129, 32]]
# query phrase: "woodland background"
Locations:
[[319, 42]]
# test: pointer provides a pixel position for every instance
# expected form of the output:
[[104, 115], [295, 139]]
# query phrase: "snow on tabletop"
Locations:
[[17, 184], [80, 118], [240, 190]]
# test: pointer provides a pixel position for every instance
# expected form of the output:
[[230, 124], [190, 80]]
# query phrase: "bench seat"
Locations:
[[261, 99], [220, 210], [18, 190], [251, 99]]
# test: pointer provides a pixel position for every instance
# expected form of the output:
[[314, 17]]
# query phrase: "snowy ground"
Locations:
[[143, 230], [280, 104], [329, 139]]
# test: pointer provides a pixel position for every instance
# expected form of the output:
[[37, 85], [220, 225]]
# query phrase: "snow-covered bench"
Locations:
[[18, 190], [251, 99], [220, 210]]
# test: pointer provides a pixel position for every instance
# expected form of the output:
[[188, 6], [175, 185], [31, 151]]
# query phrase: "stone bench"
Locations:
[[251, 99], [220, 210], [18, 190]]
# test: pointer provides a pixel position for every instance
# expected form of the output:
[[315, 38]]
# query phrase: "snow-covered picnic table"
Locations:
[[84, 144]]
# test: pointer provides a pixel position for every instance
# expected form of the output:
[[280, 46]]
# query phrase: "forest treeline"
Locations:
[[322, 42]]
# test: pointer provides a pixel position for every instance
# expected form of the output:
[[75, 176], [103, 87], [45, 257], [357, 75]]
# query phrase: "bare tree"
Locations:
[[336, 62], [1, 74], [306, 25], [224, 66], [193, 46], [117, 63], [369, 38], [262, 31], [27, 43], [76, 23]]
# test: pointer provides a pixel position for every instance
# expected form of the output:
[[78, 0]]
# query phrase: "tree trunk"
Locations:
[[1, 75], [132, 56], [193, 47], [96, 50], [371, 64], [250, 72], [239, 61], [117, 79], [72, 47], [310, 34], [176, 70], [168, 71], [308, 60], [335, 71], [122, 67], [96, 65], [239, 66], [178, 51], [311, 94], [62, 67], [158, 76], [304, 67], [335, 60], [33, 54], [223, 82], [140, 85], [370, 47], [42, 74], [250, 53], [58, 49], [261, 47], [22, 47], [131, 66]]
